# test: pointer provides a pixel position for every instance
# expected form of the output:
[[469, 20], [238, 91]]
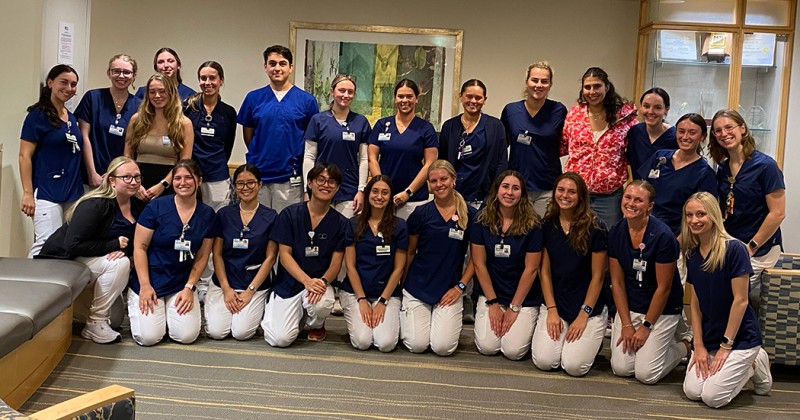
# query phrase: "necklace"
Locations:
[[565, 225], [247, 211], [469, 125]]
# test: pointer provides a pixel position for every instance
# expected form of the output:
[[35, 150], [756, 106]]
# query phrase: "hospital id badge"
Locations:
[[524, 139], [295, 181], [207, 131], [456, 234], [384, 136], [312, 251], [639, 265], [71, 138], [240, 243], [348, 136], [502, 251], [654, 173], [183, 245], [165, 141], [383, 250], [467, 150], [116, 131]]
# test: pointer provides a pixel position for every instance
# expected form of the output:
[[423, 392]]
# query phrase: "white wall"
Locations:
[[791, 170]]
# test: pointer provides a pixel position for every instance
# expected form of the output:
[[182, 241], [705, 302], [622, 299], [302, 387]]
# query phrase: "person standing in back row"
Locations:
[[274, 120]]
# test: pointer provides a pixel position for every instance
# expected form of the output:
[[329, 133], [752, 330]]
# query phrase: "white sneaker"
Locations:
[[99, 332], [337, 308], [762, 377]]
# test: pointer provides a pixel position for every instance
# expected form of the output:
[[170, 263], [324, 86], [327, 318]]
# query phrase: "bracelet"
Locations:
[[361, 298], [324, 280], [551, 307], [627, 326], [726, 347]]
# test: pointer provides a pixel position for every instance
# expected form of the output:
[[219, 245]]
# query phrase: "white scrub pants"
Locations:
[[280, 196], [422, 325], [148, 330], [47, 218], [406, 209], [362, 337], [540, 201], [109, 279], [719, 389], [220, 321], [759, 264], [282, 317], [657, 357], [346, 209], [515, 343], [577, 357], [217, 195]]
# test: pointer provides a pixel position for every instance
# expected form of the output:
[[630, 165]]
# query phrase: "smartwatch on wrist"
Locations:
[[587, 309], [324, 280], [382, 300], [752, 245], [408, 191], [461, 286], [164, 183], [726, 340], [647, 324], [191, 287]]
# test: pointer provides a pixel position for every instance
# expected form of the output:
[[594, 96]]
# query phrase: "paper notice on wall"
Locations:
[[66, 42]]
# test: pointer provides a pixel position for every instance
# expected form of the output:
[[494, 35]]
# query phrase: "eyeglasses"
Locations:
[[726, 129], [129, 179], [120, 72], [246, 185], [329, 181]]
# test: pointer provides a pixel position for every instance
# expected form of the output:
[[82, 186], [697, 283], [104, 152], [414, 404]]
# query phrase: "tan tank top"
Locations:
[[157, 150]]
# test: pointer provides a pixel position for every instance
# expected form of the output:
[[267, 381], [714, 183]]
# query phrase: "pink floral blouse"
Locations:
[[602, 164]]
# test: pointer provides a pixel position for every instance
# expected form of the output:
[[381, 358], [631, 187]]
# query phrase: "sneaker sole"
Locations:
[[90, 336]]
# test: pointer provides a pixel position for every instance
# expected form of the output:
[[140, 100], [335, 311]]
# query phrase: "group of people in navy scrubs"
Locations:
[[401, 224]]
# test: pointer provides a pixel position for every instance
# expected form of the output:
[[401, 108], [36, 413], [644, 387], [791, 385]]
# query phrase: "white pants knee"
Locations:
[[362, 337], [47, 218], [657, 357], [540, 201], [515, 343], [216, 194], [406, 209], [148, 329], [109, 278], [282, 317], [719, 389], [220, 321], [760, 264], [280, 196], [577, 357], [422, 325]]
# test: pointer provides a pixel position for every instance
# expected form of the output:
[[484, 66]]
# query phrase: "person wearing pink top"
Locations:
[[594, 136]]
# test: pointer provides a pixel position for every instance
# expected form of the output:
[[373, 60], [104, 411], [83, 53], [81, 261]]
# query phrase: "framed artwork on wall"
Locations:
[[377, 57]]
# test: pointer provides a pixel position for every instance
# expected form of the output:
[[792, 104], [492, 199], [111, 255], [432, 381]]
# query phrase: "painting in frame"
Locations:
[[377, 57]]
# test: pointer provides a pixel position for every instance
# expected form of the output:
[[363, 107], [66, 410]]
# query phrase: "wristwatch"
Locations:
[[515, 308], [408, 191], [752, 245], [251, 288], [461, 286], [491, 302], [165, 183], [361, 188], [587, 309], [647, 324], [726, 340], [191, 287], [382, 300]]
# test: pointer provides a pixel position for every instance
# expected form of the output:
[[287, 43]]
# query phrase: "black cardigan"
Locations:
[[497, 153], [85, 234]]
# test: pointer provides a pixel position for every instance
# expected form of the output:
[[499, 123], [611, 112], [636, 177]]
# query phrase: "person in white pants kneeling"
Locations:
[[573, 265], [506, 251], [727, 348], [438, 231], [310, 238], [375, 257], [243, 259], [97, 233], [170, 251]]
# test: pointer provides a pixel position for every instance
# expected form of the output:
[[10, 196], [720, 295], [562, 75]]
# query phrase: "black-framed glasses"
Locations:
[[245, 185], [323, 181], [129, 179], [120, 72]]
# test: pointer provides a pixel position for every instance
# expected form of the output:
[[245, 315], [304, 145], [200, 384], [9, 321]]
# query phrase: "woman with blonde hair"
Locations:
[[103, 115], [439, 232], [97, 232], [533, 129], [727, 341], [158, 136], [506, 247], [752, 193]]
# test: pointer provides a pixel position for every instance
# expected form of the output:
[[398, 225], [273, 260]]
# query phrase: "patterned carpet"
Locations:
[[249, 380]]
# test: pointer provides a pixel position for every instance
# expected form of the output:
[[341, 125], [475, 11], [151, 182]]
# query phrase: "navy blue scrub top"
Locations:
[[661, 247], [183, 91], [97, 108], [293, 227], [640, 149], [167, 274], [673, 187], [213, 140], [505, 272], [374, 270], [339, 144], [278, 128], [120, 226], [56, 162], [402, 155], [715, 297], [540, 161], [473, 156], [241, 265], [439, 259], [758, 176], [571, 271]]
